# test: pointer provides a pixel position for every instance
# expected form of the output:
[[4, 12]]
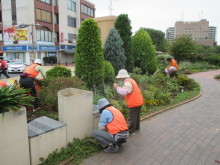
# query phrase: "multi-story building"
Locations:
[[200, 31], [39, 28], [212, 32], [170, 34]]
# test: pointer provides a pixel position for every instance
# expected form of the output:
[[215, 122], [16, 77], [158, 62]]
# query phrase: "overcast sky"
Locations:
[[161, 14]]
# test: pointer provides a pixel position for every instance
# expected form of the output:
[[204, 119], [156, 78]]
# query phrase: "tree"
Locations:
[[89, 54], [182, 48], [123, 25], [114, 50], [144, 52], [158, 38]]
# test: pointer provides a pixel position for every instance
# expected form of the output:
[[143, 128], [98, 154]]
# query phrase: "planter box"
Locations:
[[96, 117], [45, 136], [75, 108], [14, 147]]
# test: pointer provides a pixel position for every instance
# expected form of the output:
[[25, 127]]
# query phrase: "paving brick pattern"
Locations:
[[186, 135]]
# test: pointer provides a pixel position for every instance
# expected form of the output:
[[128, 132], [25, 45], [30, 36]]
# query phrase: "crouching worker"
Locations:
[[113, 129], [3, 84], [171, 71]]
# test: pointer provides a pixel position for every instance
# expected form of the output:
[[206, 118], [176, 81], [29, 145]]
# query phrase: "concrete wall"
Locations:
[[41, 146], [14, 149], [75, 108]]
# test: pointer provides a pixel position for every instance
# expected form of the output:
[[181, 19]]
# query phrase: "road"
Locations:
[[11, 75]]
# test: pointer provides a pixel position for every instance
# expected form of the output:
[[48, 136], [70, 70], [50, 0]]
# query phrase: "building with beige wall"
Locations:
[[200, 31], [105, 24]]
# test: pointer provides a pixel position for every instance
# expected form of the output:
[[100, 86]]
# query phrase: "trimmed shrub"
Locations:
[[114, 50], [144, 52], [52, 59], [182, 48], [58, 71], [109, 73], [214, 59], [123, 25], [89, 55], [48, 99]]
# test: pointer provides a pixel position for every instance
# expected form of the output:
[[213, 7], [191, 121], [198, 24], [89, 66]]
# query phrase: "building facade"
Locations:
[[170, 34], [200, 31], [40, 28]]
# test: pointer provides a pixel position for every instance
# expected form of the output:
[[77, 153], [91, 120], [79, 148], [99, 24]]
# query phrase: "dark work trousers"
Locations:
[[134, 119], [28, 83], [4, 72]]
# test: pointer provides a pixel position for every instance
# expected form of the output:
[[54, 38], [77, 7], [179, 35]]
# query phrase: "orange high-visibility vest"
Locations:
[[32, 71], [174, 63], [135, 98], [118, 123], [3, 84]]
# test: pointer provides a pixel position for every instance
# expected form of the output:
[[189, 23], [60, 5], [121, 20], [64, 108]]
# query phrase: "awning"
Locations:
[[69, 51]]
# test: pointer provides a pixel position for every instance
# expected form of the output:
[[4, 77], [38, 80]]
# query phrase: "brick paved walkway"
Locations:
[[185, 135]]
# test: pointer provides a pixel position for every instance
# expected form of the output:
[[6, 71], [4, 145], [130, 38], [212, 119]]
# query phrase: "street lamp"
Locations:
[[32, 37]]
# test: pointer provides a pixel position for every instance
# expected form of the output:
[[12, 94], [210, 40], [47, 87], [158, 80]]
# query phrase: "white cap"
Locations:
[[37, 61], [102, 103], [122, 74]]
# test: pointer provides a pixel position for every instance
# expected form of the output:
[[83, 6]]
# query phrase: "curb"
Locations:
[[169, 108]]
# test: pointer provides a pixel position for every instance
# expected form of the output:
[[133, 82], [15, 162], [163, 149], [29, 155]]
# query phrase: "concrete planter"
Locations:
[[75, 108], [14, 147]]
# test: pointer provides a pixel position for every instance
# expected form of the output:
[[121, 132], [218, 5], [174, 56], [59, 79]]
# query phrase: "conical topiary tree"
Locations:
[[144, 52], [89, 54], [123, 25], [114, 50]]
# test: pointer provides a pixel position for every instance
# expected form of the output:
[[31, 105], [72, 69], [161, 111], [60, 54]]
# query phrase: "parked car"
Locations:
[[16, 66]]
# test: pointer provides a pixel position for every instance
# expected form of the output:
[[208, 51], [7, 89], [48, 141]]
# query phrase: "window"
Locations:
[[87, 10], [44, 35], [43, 16], [71, 5], [45, 1], [71, 21], [71, 37]]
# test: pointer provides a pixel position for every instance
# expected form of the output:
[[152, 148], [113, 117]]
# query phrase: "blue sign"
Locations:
[[32, 47], [48, 48], [14, 48], [70, 47]]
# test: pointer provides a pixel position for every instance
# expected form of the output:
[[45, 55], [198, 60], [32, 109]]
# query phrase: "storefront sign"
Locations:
[[14, 48], [70, 47], [48, 48]]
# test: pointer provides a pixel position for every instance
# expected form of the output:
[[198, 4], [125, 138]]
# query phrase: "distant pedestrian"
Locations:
[[27, 79], [3, 68], [113, 129], [172, 69], [133, 98]]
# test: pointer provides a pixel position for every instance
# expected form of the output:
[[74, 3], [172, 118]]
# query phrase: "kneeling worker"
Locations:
[[113, 129]]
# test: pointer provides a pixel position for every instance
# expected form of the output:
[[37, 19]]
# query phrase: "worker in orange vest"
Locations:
[[133, 98], [27, 79], [3, 84], [113, 129], [172, 69]]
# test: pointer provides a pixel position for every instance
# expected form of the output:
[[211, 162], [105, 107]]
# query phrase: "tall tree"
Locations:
[[123, 25], [182, 48], [89, 54], [114, 50], [157, 37], [144, 52]]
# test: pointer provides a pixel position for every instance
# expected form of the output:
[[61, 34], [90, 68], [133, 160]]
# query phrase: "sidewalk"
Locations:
[[186, 135]]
